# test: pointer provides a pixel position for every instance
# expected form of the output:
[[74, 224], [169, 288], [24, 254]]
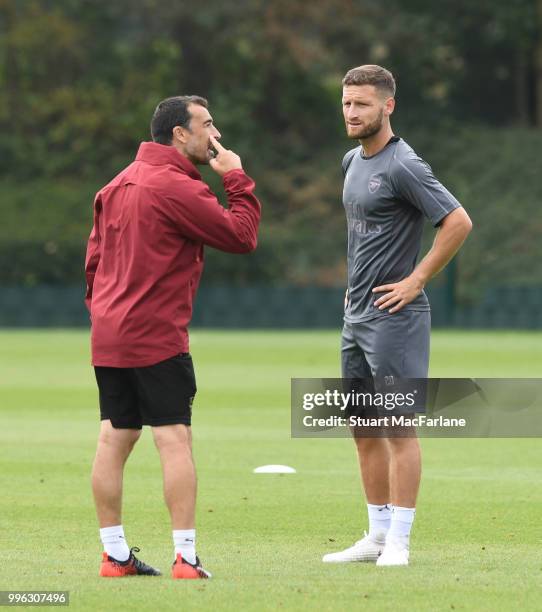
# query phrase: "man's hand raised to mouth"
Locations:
[[224, 160]]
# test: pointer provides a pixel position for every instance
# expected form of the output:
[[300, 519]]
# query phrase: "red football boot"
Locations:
[[111, 568], [182, 569]]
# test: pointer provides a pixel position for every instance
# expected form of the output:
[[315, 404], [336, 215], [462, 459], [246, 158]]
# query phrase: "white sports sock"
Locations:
[[114, 542], [379, 521], [401, 524], [185, 543]]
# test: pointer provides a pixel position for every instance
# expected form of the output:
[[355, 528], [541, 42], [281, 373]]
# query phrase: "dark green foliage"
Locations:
[[79, 80]]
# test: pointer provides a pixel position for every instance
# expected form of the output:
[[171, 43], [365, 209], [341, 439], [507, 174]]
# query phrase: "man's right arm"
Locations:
[[198, 214], [347, 160]]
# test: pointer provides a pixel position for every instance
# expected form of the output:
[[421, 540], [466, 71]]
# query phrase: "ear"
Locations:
[[389, 106], [180, 134]]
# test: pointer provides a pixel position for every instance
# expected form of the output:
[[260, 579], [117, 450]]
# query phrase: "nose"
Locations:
[[216, 133], [351, 113]]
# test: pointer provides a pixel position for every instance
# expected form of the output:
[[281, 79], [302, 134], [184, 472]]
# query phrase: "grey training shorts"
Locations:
[[381, 351]]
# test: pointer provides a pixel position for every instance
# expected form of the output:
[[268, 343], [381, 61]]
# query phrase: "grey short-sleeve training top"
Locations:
[[386, 197]]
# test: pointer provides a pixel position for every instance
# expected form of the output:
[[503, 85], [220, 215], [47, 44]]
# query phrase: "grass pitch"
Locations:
[[476, 540]]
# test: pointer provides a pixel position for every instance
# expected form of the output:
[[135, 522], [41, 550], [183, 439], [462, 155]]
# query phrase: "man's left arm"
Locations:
[[451, 234], [414, 182]]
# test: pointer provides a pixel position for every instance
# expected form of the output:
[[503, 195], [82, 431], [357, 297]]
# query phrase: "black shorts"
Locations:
[[161, 394]]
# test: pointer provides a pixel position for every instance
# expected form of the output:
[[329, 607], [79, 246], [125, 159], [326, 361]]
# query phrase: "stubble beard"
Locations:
[[369, 130], [199, 158]]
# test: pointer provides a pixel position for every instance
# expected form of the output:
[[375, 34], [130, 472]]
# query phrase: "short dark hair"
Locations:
[[170, 113], [371, 74]]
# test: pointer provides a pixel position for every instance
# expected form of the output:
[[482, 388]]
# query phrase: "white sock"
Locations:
[[114, 542], [379, 521], [185, 543], [401, 524]]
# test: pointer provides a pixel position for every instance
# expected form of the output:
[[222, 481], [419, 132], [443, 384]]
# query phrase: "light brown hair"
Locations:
[[371, 74]]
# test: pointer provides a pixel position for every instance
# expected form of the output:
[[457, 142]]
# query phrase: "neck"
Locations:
[[182, 150], [375, 143], [177, 145]]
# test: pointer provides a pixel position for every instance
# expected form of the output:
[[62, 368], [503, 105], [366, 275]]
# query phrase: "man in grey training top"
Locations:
[[388, 191]]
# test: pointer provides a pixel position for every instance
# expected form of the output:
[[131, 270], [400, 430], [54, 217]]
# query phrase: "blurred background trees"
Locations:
[[79, 80]]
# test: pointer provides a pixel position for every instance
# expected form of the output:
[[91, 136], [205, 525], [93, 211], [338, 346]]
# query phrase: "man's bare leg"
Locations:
[[374, 464], [390, 469], [114, 447], [174, 443], [391, 472], [405, 471]]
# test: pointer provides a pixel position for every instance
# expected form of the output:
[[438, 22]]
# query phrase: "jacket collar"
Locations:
[[161, 155]]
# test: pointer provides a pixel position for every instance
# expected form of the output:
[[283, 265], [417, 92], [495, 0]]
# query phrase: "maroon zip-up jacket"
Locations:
[[145, 253]]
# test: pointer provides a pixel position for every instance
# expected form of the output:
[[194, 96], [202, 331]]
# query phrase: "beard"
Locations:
[[370, 129], [199, 157]]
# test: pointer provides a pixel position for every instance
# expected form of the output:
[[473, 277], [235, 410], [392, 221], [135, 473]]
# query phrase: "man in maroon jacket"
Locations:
[[143, 266]]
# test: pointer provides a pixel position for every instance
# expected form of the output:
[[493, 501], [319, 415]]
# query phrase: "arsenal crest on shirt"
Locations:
[[374, 183]]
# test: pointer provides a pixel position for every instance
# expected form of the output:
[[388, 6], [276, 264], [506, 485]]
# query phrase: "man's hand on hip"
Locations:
[[398, 294], [224, 160]]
